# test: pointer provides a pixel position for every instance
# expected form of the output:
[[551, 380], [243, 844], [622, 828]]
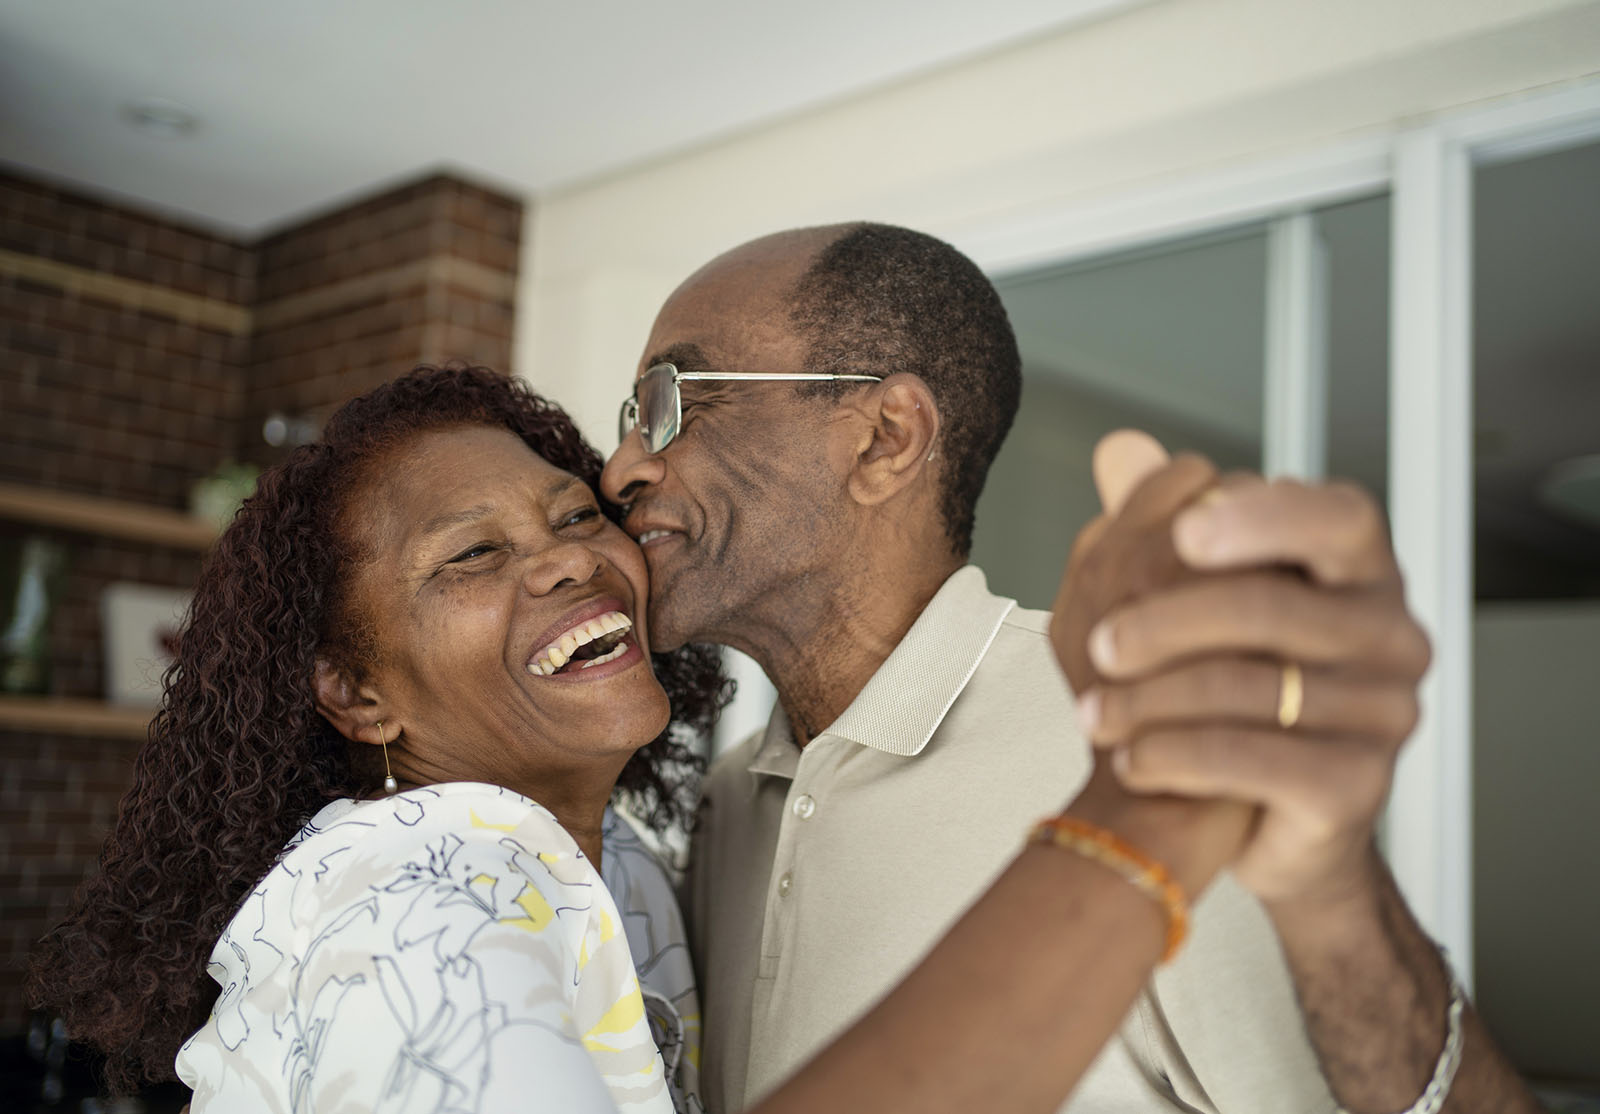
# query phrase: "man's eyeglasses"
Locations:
[[655, 408]]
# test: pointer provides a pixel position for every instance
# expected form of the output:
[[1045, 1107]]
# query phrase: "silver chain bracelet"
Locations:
[[1444, 1072]]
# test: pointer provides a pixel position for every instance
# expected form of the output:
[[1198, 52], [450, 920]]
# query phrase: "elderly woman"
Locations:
[[368, 861]]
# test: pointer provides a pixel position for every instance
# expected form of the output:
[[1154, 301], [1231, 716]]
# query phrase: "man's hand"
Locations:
[[1181, 608], [1193, 678]]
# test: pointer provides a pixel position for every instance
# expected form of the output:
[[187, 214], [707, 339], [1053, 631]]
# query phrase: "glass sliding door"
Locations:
[[1450, 296], [1178, 339], [1357, 413], [1169, 340], [1536, 610]]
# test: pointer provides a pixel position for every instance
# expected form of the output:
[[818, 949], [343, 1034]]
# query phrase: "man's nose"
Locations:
[[630, 470]]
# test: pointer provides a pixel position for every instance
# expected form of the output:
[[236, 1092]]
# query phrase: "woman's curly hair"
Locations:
[[238, 758]]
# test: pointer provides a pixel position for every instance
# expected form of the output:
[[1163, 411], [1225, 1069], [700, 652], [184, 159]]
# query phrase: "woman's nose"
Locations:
[[565, 564]]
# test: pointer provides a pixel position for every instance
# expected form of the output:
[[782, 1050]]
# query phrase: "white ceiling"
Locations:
[[303, 103]]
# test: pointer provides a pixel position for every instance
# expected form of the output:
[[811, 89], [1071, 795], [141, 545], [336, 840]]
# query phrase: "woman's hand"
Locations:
[[1121, 556]]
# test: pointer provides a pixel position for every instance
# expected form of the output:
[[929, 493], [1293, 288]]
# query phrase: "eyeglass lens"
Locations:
[[660, 410]]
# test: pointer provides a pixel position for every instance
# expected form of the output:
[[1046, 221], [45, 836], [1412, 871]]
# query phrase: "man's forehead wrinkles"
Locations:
[[711, 389]]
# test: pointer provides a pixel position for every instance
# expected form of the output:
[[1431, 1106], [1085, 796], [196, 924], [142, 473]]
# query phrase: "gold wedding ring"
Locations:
[[1291, 695]]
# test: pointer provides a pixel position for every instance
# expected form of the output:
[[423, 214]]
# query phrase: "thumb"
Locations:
[[1122, 461]]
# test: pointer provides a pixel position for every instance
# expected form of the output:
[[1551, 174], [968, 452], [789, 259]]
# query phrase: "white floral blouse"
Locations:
[[449, 949]]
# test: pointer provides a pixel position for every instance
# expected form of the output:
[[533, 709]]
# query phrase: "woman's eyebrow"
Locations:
[[440, 523], [443, 522], [563, 486]]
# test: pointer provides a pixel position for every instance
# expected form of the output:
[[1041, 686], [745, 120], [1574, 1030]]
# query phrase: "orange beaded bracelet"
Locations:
[[1107, 848]]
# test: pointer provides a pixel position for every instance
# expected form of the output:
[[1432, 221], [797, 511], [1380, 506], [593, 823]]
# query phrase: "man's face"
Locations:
[[744, 504]]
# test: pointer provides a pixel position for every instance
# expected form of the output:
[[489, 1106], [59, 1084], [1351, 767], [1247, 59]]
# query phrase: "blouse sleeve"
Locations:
[[457, 967]]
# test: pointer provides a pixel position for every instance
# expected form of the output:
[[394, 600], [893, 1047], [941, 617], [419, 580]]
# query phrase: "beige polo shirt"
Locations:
[[821, 876]]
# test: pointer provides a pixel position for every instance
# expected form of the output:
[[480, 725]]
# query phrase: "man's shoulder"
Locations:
[[969, 592], [1016, 697], [1025, 622], [734, 761], [1021, 651]]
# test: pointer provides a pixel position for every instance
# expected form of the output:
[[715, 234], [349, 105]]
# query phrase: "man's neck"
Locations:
[[820, 656]]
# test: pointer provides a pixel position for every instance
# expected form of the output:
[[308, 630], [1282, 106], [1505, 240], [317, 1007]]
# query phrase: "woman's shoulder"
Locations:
[[451, 862], [468, 852], [472, 812], [443, 921]]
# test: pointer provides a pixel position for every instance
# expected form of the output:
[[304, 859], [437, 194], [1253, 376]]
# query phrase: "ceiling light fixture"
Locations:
[[160, 118]]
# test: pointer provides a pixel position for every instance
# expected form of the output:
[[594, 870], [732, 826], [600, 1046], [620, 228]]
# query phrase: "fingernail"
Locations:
[[1121, 763], [1089, 713], [1194, 533], [1103, 646]]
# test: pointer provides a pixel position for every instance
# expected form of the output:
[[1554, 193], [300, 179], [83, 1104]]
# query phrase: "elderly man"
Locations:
[[1256, 648]]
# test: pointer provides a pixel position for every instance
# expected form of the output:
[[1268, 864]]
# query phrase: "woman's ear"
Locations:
[[343, 702], [905, 428]]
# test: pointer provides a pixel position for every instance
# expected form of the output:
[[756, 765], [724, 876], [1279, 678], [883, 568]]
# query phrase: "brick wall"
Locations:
[[423, 274], [122, 346], [135, 356]]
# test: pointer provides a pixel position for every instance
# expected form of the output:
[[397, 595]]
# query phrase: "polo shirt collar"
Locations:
[[904, 702]]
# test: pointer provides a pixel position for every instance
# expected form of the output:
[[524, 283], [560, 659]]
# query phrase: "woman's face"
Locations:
[[508, 615]]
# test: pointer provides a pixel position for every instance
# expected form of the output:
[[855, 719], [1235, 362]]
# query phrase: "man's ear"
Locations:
[[900, 441], [349, 706]]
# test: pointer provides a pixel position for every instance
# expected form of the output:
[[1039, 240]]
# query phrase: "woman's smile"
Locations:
[[592, 638]]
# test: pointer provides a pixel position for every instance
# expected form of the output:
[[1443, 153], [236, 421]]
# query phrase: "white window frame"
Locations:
[[1426, 167]]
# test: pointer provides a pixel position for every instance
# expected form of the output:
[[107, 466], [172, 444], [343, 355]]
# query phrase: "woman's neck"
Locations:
[[578, 803], [585, 831]]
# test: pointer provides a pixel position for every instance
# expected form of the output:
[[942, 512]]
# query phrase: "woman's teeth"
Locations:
[[609, 655], [607, 633]]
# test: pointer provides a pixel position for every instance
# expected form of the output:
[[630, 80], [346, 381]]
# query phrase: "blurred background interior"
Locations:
[[1357, 239]]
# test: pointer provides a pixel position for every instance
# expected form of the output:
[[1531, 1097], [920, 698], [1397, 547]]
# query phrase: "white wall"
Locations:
[[1162, 91]]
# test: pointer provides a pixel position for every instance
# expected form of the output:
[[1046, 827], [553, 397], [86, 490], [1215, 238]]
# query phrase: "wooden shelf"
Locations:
[[107, 517], [73, 717]]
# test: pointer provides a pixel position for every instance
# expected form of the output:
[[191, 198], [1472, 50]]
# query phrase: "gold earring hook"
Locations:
[[390, 785]]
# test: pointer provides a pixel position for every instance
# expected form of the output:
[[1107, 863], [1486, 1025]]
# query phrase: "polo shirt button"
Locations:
[[785, 884], [804, 806]]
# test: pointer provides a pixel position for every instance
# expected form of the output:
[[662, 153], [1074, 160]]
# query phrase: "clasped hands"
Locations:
[[1185, 611]]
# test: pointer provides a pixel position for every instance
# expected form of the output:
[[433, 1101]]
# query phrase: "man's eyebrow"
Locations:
[[684, 357]]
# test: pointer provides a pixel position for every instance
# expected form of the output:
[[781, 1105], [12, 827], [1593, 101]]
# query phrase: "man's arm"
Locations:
[[1376, 994], [1189, 684]]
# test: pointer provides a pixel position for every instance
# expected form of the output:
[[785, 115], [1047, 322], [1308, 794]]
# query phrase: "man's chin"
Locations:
[[675, 621], [665, 633]]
